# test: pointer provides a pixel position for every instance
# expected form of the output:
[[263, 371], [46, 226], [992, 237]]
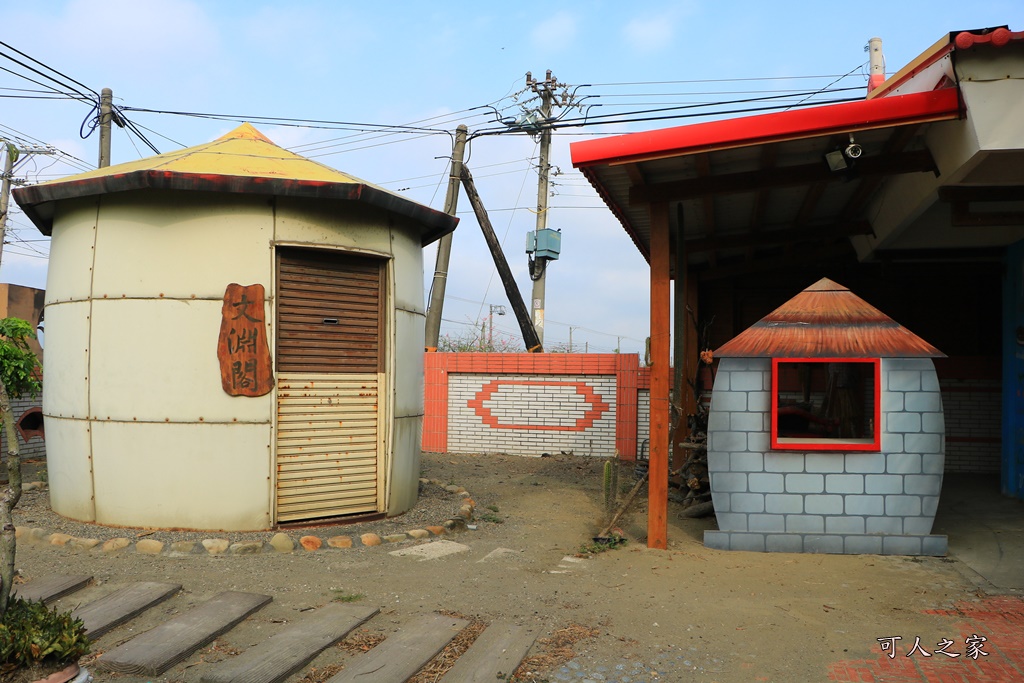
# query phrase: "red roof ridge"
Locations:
[[826, 285], [998, 37]]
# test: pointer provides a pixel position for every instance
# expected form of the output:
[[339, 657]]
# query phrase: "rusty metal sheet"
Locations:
[[327, 445], [827, 320]]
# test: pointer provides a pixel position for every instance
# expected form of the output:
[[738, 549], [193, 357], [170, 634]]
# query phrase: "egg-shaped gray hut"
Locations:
[[826, 432], [234, 339]]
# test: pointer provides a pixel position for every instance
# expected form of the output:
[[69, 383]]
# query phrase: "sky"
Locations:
[[377, 89]]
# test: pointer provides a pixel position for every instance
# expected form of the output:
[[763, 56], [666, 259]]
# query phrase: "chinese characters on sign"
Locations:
[[975, 645], [242, 349]]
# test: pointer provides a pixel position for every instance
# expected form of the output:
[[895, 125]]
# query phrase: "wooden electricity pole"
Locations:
[[444, 245], [106, 114], [10, 153]]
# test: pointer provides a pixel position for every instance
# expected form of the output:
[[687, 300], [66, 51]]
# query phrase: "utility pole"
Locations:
[[541, 239], [877, 64], [444, 245], [500, 310], [106, 114], [11, 154]]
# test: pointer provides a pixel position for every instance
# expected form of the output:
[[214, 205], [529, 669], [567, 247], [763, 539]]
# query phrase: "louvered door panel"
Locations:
[[327, 433], [329, 313], [329, 362]]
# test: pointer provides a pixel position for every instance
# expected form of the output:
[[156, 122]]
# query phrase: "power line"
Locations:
[[46, 76], [715, 80]]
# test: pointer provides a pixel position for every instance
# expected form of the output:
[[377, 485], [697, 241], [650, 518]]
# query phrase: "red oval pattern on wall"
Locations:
[[597, 406]]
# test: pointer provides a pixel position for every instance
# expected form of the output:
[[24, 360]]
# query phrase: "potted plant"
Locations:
[[40, 644]]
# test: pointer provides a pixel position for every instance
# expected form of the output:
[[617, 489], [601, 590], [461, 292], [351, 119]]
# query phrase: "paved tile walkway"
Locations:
[[999, 658]]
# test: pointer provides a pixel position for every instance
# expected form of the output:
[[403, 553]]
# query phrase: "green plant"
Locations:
[[600, 545], [31, 633], [19, 368], [606, 485], [492, 508], [343, 596], [491, 517], [19, 375]]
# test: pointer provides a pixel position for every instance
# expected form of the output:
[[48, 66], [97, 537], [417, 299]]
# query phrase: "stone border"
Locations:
[[278, 542]]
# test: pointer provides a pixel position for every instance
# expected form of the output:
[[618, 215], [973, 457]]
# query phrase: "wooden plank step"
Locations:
[[283, 654], [51, 588], [494, 655], [118, 607], [405, 653], [157, 650]]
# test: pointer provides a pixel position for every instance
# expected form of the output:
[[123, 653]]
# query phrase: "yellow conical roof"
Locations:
[[242, 161], [244, 152]]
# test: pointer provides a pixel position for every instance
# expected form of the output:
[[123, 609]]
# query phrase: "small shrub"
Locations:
[[491, 517], [601, 545], [342, 596], [31, 633]]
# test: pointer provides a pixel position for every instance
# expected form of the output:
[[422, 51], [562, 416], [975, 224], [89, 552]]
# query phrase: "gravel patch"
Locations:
[[436, 504]]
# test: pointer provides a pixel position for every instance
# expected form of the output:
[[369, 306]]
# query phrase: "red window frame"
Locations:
[[874, 444]]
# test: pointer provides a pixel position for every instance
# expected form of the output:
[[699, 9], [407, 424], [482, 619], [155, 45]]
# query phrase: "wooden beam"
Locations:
[[769, 155], [981, 193], [703, 163], [786, 176], [814, 192], [810, 203], [767, 238], [951, 254], [961, 216], [798, 258], [657, 484], [636, 176]]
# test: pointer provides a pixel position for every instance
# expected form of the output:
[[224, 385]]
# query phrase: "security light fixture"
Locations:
[[853, 150], [836, 160], [842, 158]]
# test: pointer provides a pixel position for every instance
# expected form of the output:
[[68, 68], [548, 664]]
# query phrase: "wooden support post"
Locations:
[[657, 488]]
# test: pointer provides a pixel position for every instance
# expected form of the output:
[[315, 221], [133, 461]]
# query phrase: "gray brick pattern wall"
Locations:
[[35, 448], [829, 502], [974, 412], [558, 406], [643, 420]]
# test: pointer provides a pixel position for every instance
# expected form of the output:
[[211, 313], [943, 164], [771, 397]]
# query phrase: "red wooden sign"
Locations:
[[246, 368]]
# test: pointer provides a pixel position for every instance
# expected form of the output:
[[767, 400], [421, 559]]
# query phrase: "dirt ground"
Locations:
[[688, 613]]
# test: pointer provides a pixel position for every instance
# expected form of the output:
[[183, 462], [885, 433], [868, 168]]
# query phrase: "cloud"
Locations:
[[651, 33], [557, 32]]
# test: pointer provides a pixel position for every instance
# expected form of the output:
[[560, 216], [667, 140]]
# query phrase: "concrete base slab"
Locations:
[[431, 551], [837, 544], [501, 554], [985, 529]]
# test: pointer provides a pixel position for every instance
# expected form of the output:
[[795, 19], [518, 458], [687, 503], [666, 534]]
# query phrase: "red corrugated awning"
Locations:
[[847, 117]]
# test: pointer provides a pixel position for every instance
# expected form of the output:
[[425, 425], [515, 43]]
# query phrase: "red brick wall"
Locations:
[[590, 376]]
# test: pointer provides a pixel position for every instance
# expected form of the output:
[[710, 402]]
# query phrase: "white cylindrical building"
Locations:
[[144, 261]]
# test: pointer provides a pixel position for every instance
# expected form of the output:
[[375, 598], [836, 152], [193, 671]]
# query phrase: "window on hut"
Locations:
[[826, 404]]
